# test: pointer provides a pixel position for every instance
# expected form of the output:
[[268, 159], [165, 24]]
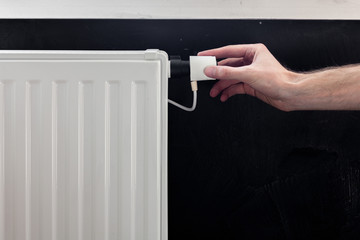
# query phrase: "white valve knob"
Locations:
[[197, 66]]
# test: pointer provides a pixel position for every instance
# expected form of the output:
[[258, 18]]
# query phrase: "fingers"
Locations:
[[231, 91], [231, 51], [220, 86], [241, 74], [241, 88], [232, 62]]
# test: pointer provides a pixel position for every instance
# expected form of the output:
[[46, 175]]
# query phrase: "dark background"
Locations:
[[240, 169]]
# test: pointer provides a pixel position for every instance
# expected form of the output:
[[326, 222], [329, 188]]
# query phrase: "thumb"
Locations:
[[228, 73]]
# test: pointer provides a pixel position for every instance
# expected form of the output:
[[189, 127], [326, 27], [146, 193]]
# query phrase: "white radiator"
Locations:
[[83, 145]]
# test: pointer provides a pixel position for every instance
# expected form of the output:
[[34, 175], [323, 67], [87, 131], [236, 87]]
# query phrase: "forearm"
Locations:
[[329, 89]]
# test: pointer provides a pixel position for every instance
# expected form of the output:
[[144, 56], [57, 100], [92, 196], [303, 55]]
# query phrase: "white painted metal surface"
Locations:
[[170, 9], [83, 145]]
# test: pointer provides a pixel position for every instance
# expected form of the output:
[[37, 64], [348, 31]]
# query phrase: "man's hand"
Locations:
[[253, 70]]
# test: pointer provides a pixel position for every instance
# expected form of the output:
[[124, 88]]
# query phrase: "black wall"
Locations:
[[240, 169]]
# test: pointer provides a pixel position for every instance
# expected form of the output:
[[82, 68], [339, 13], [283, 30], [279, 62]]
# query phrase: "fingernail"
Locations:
[[210, 72], [223, 98], [214, 92]]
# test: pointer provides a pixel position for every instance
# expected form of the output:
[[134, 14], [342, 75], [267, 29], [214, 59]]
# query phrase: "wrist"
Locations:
[[293, 96], [297, 98]]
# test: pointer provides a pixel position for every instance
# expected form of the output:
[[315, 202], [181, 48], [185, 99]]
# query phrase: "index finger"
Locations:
[[231, 51]]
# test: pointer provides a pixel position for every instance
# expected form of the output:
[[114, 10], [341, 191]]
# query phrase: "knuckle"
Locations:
[[261, 45]]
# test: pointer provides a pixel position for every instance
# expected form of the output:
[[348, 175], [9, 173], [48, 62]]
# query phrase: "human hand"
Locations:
[[253, 70]]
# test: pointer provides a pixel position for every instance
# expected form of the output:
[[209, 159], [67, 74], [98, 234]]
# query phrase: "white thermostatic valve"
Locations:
[[197, 66]]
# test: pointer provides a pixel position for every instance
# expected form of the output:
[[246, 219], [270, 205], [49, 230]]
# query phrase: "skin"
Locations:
[[251, 69]]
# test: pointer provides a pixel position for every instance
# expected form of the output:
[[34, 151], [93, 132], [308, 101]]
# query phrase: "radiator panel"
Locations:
[[83, 146]]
